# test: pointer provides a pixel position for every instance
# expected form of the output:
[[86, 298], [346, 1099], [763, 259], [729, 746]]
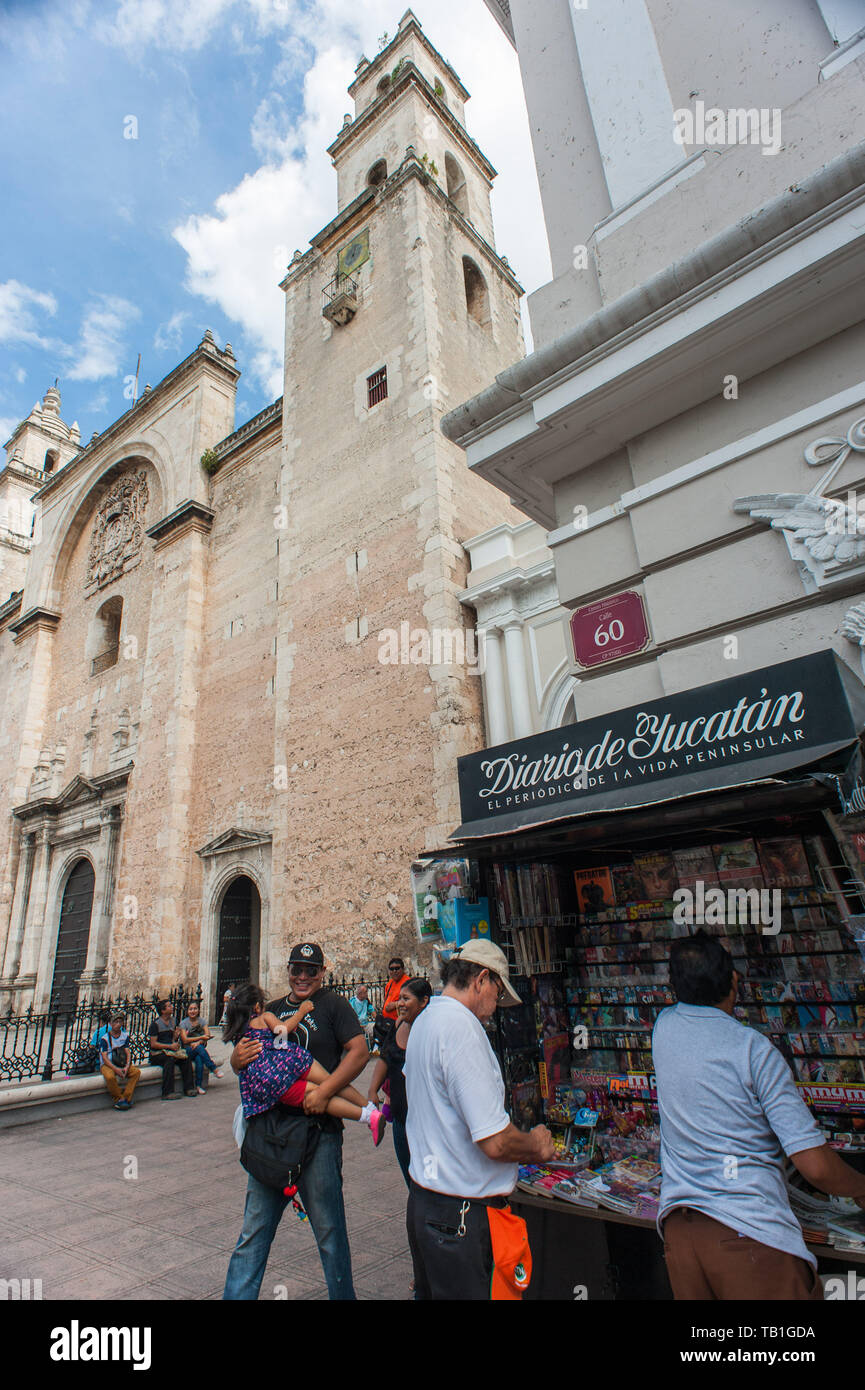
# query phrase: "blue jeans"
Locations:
[[401, 1149], [201, 1058], [321, 1192]]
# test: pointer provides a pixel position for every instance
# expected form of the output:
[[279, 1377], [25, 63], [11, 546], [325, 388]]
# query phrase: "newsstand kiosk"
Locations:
[[736, 806]]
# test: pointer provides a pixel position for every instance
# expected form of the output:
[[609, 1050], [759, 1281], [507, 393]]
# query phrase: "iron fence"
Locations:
[[42, 1045], [346, 987]]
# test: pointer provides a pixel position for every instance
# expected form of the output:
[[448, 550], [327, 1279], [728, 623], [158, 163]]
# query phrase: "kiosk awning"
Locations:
[[799, 719]]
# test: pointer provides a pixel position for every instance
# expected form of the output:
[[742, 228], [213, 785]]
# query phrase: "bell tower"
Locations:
[[400, 309]]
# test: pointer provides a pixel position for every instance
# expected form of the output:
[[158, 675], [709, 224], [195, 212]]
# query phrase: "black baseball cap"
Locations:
[[307, 953]]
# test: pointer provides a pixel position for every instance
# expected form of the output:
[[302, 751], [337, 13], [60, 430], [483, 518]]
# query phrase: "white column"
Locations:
[[627, 92], [498, 725], [518, 685], [843, 18]]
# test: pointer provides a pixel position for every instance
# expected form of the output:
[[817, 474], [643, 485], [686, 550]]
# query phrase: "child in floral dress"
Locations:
[[284, 1072]]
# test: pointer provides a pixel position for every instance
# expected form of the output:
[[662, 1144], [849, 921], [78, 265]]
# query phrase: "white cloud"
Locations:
[[168, 335], [18, 314], [165, 23], [20, 375], [100, 349], [237, 253]]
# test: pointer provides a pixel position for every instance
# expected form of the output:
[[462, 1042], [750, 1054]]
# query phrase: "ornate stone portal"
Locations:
[[118, 531]]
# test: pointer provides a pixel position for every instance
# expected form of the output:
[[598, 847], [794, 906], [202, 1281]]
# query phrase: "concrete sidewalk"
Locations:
[[69, 1216]]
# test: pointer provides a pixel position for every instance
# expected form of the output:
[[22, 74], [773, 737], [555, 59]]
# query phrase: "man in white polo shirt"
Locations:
[[464, 1148]]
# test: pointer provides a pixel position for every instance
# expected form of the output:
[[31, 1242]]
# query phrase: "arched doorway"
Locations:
[[239, 934], [73, 935]]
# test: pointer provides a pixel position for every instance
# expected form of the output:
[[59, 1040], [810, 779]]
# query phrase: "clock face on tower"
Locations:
[[355, 253]]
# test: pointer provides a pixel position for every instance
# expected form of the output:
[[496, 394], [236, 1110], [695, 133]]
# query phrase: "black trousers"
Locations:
[[168, 1064], [448, 1265]]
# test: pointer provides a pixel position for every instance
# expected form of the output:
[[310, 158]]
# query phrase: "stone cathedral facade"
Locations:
[[202, 757]]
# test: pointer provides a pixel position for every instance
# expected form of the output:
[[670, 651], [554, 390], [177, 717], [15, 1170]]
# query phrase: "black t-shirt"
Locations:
[[394, 1056], [162, 1032], [324, 1032]]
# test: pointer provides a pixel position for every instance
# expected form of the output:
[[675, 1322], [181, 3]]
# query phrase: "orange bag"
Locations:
[[512, 1257]]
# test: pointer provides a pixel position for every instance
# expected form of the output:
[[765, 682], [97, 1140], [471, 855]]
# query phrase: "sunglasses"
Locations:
[[395, 969], [500, 989], [310, 971]]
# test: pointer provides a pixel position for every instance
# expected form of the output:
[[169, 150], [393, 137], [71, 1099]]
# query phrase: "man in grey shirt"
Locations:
[[729, 1112]]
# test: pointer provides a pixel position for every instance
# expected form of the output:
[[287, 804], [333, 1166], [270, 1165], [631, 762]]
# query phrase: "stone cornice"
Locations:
[[515, 580], [35, 620], [234, 840], [342, 219], [189, 516], [10, 607], [754, 240], [21, 472], [411, 168], [272, 414], [91, 790], [206, 354]]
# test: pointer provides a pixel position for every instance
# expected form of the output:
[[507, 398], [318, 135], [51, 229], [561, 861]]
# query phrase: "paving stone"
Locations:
[[100, 1234]]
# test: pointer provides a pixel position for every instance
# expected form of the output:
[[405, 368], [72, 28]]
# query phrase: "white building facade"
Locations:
[[691, 425]]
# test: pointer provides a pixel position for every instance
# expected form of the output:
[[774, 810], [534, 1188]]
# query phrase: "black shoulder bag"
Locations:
[[276, 1146]]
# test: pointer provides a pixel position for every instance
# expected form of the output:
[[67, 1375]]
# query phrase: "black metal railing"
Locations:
[[57, 1042], [339, 285], [346, 987]]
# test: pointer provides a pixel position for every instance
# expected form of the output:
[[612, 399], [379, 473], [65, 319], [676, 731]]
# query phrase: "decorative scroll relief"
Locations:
[[118, 531], [825, 535]]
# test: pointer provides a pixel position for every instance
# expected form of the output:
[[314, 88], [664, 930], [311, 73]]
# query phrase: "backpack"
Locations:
[[276, 1146]]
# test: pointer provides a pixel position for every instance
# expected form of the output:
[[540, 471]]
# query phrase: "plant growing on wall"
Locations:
[[439, 89], [397, 70], [210, 461], [430, 166]]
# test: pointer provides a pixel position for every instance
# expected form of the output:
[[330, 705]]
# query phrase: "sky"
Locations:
[[164, 158]]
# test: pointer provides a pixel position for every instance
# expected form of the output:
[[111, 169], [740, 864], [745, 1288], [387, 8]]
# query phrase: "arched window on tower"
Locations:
[[103, 639], [456, 185], [383, 84], [377, 174], [50, 462], [477, 295]]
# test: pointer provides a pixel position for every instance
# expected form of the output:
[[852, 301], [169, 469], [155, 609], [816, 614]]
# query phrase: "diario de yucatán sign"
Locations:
[[779, 713]]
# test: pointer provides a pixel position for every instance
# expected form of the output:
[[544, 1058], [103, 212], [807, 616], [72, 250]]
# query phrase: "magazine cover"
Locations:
[[627, 884], [594, 889], [425, 899], [784, 862], [658, 874], [695, 865], [738, 864], [526, 1107], [557, 1061]]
